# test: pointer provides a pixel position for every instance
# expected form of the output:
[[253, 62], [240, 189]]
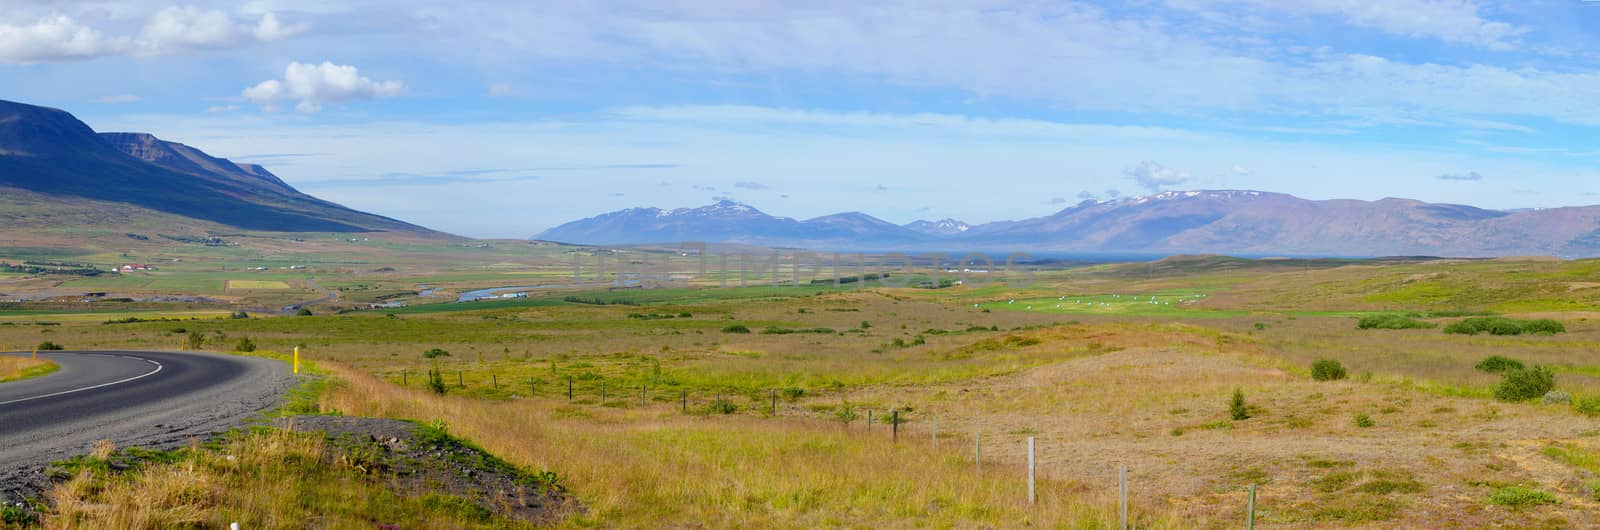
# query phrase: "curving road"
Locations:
[[144, 399]]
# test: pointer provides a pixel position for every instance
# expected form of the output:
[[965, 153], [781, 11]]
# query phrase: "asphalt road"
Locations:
[[144, 399]]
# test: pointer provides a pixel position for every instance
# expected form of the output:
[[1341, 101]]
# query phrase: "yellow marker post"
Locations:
[[297, 359]]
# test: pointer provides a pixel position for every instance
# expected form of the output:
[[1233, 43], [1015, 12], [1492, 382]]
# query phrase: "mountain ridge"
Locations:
[[1247, 222], [50, 152]]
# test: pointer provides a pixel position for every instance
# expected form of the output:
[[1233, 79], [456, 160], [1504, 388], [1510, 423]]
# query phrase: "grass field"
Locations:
[[747, 407], [257, 284]]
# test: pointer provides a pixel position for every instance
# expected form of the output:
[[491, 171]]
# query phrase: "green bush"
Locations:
[[1587, 406], [736, 328], [1364, 421], [435, 353], [1523, 384], [1393, 322], [436, 382], [1544, 326], [1495, 364], [1521, 496], [303, 312], [49, 346], [721, 407], [1327, 370], [792, 393], [1236, 406], [1505, 326], [245, 345]]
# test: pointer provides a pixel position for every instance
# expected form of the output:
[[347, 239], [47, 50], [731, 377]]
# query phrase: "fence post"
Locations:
[[1032, 499], [1250, 522], [869, 421], [641, 395], [895, 421], [569, 388], [686, 402], [461, 382], [602, 392], [531, 387], [933, 434], [403, 379], [1122, 495], [494, 381], [977, 453]]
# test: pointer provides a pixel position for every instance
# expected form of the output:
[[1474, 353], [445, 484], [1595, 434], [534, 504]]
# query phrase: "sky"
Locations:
[[502, 119]]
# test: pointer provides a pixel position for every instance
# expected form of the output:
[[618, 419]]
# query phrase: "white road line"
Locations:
[[64, 392]]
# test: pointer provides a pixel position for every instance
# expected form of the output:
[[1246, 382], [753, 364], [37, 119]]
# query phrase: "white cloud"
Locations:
[[187, 27], [60, 37], [120, 98], [222, 108], [1468, 176], [1155, 176], [1452, 21], [51, 38], [1240, 170], [311, 86], [751, 185], [269, 29]]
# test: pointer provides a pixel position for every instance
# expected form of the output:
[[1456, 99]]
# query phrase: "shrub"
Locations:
[[1327, 370], [245, 345], [435, 353], [1505, 326], [196, 340], [303, 312], [1521, 496], [792, 393], [721, 407], [436, 382], [239, 315], [1495, 364], [1393, 322], [1525, 384], [49, 346], [1364, 421], [1556, 397], [736, 328], [1237, 407], [1587, 406], [1544, 326]]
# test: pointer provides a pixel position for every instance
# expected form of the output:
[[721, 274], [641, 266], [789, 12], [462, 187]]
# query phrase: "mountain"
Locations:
[[1240, 222], [728, 222], [49, 153], [942, 227]]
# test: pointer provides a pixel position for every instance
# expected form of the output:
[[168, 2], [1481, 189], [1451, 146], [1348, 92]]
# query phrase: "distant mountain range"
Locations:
[[48, 153], [1239, 222]]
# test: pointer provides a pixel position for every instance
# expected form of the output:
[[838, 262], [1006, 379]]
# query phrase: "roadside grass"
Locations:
[[16, 368], [265, 479]]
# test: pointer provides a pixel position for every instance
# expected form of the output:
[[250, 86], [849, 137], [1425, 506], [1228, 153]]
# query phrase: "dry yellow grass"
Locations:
[[13, 368], [643, 468]]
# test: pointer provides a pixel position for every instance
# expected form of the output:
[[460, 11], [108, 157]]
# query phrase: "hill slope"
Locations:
[[49, 152]]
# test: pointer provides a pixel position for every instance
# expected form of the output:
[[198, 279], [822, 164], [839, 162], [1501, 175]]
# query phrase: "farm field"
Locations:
[[749, 407]]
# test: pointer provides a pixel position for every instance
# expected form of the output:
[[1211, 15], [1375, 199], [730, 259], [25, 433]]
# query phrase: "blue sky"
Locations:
[[500, 119]]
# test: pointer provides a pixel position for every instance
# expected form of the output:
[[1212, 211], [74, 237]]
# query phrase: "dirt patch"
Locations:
[[423, 459]]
